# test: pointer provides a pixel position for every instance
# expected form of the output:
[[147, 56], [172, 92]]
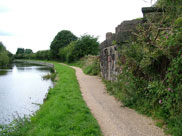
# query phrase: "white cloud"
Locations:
[[34, 23]]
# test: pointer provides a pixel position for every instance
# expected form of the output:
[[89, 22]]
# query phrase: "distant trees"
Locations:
[[62, 39], [22, 53], [28, 51], [64, 47], [43, 55]]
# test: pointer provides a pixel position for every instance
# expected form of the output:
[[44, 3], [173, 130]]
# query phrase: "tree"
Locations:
[[86, 45], [20, 51], [4, 59], [28, 51], [62, 39], [43, 55], [4, 56], [2, 47]]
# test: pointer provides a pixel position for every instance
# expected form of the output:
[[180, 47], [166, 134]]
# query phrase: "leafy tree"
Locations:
[[4, 56], [28, 51], [66, 53], [62, 39], [86, 45], [20, 51], [43, 55], [4, 59], [2, 48]]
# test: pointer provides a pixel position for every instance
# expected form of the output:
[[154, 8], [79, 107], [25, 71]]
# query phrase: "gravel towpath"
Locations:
[[113, 118]]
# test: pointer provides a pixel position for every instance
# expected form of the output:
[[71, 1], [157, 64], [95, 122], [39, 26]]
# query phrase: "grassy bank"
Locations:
[[64, 113], [89, 64]]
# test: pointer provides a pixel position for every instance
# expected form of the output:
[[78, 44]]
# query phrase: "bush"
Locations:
[[86, 45], [62, 39], [66, 53]]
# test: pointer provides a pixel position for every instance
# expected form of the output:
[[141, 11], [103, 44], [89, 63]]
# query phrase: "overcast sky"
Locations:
[[34, 23]]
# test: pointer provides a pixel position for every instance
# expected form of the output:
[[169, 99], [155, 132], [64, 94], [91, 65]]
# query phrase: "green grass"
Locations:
[[89, 64], [64, 113]]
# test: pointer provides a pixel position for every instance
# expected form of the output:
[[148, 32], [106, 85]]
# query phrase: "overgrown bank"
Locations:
[[151, 63], [89, 64], [63, 113]]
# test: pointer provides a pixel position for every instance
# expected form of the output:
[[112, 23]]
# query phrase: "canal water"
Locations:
[[22, 89]]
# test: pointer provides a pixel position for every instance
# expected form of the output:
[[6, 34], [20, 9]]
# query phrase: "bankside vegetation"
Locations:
[[89, 64], [65, 47], [84, 46], [64, 113], [62, 39], [22, 53], [5, 56], [152, 69]]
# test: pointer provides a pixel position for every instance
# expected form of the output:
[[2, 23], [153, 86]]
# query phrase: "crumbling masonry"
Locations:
[[109, 48]]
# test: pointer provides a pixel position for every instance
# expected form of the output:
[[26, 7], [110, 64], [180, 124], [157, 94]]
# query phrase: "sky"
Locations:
[[33, 24]]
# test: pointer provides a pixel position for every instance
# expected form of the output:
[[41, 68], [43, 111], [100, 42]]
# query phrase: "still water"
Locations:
[[21, 90]]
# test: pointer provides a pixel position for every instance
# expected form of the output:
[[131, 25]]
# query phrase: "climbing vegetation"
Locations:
[[151, 69]]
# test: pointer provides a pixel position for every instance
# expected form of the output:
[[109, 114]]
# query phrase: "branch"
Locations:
[[160, 29]]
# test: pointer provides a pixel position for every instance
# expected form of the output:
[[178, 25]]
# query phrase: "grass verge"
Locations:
[[64, 113], [89, 64]]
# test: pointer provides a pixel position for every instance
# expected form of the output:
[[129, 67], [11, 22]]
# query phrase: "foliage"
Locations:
[[151, 75], [86, 45], [4, 59], [89, 64], [92, 68], [51, 76], [63, 113], [28, 54], [20, 51], [43, 55], [5, 56], [172, 7], [28, 51], [62, 39], [66, 53]]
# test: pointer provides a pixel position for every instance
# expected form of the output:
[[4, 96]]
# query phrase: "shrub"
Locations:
[[62, 39], [86, 45]]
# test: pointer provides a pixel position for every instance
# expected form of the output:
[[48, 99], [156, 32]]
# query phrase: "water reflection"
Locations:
[[3, 72], [20, 87]]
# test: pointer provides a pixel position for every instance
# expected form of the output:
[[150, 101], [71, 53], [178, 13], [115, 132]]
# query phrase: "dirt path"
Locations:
[[113, 119]]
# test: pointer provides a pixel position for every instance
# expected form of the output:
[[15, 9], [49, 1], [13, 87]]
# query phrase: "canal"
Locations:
[[22, 90]]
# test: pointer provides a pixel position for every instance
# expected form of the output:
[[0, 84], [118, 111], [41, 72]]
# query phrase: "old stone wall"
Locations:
[[109, 55]]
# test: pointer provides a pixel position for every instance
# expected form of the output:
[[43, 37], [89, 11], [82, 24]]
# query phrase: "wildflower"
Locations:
[[166, 37], [170, 90], [160, 101]]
